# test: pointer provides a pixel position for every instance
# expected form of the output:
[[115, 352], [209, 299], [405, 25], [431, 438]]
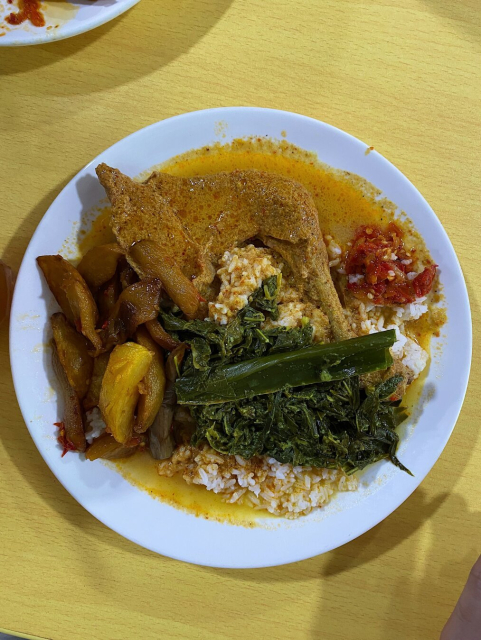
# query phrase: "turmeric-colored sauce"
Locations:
[[99, 232], [344, 202], [141, 470]]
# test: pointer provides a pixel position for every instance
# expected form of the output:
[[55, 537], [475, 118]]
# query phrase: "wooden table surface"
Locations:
[[404, 77]]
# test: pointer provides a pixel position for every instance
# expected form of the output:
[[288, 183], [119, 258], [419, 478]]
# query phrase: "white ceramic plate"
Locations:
[[156, 525], [63, 19]]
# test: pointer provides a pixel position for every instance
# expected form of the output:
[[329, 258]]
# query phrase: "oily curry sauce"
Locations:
[[344, 202], [341, 202]]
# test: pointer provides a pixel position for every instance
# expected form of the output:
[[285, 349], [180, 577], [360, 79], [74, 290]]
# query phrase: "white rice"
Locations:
[[412, 310], [290, 315], [94, 424], [241, 272], [262, 483], [355, 278], [414, 357], [334, 250], [366, 318], [294, 314], [335, 254]]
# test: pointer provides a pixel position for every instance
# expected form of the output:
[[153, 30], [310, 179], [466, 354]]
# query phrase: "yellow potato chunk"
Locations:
[[99, 265], [128, 365]]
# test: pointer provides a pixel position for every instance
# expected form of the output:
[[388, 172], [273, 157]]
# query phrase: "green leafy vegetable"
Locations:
[[277, 371], [242, 339], [331, 424], [272, 392], [265, 298], [201, 353]]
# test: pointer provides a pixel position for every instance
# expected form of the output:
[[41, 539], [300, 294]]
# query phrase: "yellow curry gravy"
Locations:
[[344, 202]]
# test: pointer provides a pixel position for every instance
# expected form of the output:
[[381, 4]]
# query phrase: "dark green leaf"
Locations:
[[326, 362], [314, 425], [201, 353], [265, 298]]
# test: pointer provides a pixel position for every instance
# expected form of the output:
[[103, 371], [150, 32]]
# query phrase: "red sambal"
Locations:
[[379, 267], [27, 10], [62, 439]]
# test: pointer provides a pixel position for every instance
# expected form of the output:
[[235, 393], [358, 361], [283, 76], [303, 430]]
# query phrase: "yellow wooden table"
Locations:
[[404, 77]]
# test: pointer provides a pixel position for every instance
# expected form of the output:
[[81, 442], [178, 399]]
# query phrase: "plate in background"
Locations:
[[63, 19]]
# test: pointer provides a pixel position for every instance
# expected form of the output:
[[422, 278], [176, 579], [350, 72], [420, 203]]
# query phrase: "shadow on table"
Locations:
[[23, 454], [14, 435], [465, 15], [404, 605], [445, 566], [444, 570], [16, 247], [169, 30], [368, 547]]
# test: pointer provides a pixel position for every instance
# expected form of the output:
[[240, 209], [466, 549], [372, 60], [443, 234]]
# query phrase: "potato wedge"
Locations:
[[106, 447], [72, 429], [127, 274], [149, 261], [92, 398], [107, 296], [99, 265], [137, 304], [73, 352], [73, 295], [152, 386], [160, 335], [128, 365]]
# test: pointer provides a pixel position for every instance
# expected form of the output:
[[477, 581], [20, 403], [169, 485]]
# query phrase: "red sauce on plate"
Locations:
[[381, 263], [27, 10], [62, 439]]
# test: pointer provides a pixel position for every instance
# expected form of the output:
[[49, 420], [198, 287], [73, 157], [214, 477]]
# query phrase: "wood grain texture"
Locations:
[[404, 77]]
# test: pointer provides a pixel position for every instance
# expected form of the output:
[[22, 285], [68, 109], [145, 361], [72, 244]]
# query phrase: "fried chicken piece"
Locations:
[[196, 219]]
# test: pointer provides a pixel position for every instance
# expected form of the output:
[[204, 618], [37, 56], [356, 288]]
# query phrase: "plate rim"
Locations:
[[66, 31], [292, 556]]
